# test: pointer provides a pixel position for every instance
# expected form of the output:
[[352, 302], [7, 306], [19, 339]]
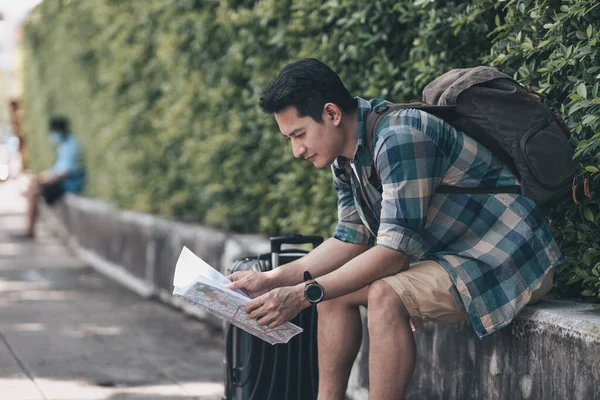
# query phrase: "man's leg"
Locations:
[[392, 351], [32, 209], [339, 339]]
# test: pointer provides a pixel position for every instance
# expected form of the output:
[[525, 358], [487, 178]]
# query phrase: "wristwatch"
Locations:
[[313, 292]]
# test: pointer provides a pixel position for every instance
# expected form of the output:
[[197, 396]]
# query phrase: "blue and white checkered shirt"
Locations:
[[497, 248]]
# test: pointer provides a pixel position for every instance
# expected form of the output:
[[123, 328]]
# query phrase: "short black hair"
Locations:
[[308, 85], [60, 124]]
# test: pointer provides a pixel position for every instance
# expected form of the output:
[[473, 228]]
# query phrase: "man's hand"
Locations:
[[43, 177], [254, 283], [48, 178], [278, 306]]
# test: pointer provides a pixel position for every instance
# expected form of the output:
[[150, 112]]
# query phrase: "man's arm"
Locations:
[[51, 178], [376, 263], [282, 304], [327, 257]]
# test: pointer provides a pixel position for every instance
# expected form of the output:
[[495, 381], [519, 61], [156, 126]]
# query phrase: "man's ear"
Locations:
[[331, 112]]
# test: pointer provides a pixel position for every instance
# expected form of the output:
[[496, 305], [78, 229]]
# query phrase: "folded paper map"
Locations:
[[204, 286]]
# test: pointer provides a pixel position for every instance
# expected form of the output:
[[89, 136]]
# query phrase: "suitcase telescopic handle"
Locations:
[[278, 241]]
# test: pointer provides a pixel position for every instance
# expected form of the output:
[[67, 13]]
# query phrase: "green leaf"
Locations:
[[589, 31], [575, 97], [543, 43], [575, 107], [421, 2], [587, 293], [589, 215], [582, 91], [592, 169], [596, 100], [587, 257], [589, 119]]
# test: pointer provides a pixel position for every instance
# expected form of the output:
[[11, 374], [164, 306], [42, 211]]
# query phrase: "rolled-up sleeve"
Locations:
[[411, 167], [350, 227]]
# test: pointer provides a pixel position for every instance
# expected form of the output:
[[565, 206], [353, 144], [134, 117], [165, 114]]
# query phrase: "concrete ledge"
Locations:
[[542, 355], [551, 351]]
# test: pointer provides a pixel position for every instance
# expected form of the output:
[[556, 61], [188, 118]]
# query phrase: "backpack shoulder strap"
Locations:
[[376, 116], [447, 113]]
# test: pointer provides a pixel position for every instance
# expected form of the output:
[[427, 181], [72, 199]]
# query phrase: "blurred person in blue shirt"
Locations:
[[66, 175]]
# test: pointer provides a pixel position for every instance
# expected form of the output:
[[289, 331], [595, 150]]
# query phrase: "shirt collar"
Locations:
[[364, 108]]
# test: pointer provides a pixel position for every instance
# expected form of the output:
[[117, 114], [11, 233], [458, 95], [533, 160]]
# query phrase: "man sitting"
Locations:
[[66, 175], [408, 253]]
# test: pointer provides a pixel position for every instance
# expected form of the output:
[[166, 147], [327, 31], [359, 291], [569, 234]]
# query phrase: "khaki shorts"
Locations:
[[429, 295]]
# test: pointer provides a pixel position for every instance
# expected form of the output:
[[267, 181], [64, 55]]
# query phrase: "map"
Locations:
[[200, 284]]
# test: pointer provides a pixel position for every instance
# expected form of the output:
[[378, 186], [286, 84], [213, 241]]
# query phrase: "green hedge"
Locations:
[[554, 46], [164, 94]]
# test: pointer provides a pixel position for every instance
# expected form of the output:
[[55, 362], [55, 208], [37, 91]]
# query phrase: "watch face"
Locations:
[[314, 292]]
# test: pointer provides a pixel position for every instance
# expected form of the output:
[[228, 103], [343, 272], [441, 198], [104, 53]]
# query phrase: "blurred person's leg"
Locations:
[[49, 192], [32, 195]]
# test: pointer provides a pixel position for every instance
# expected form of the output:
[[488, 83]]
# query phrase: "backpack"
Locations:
[[508, 120]]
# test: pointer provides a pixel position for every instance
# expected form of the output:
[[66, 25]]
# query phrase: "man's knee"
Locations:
[[352, 300], [327, 308], [384, 305]]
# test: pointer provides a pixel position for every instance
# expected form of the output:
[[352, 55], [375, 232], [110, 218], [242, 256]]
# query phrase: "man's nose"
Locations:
[[298, 149]]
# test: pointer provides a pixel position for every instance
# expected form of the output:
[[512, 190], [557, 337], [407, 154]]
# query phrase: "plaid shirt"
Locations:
[[497, 248]]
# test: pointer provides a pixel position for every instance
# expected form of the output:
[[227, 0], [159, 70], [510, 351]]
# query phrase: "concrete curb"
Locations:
[[111, 270]]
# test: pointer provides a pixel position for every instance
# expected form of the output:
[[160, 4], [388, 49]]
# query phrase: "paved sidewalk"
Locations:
[[67, 332]]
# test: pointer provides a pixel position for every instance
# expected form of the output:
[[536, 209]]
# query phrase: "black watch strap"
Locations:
[[307, 276]]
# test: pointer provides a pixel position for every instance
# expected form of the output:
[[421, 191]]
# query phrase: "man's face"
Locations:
[[318, 143]]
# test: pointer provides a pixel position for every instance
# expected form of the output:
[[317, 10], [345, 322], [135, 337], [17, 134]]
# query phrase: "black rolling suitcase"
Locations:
[[257, 370]]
